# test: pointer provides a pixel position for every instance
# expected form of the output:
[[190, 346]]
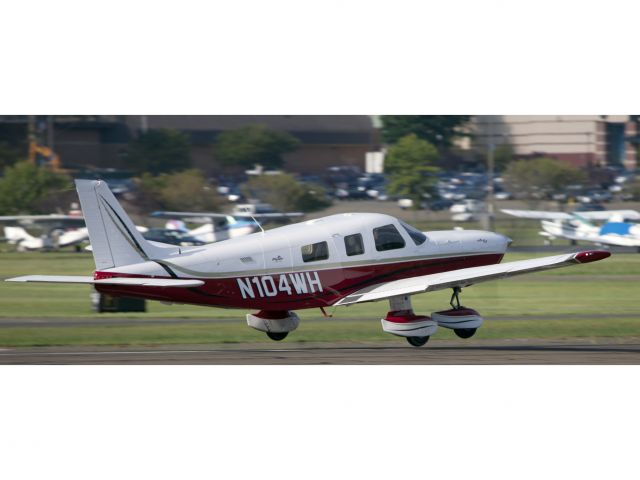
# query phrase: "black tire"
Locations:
[[277, 336], [417, 341], [465, 332]]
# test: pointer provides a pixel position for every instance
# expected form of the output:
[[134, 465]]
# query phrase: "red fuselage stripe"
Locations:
[[297, 290]]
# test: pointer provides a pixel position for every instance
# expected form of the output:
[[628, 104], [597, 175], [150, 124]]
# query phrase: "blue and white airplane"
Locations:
[[219, 226], [579, 226]]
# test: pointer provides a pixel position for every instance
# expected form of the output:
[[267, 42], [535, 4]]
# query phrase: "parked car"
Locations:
[[172, 237], [405, 203], [468, 206], [502, 195], [440, 204], [593, 207], [596, 196]]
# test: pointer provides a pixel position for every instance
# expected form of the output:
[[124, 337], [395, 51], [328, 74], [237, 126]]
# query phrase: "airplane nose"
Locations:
[[502, 240]]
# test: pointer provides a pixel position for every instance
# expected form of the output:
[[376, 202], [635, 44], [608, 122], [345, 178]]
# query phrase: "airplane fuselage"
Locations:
[[309, 264]]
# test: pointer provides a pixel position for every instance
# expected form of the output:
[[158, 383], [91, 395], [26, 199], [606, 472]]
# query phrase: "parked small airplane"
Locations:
[[219, 226], [331, 261], [58, 231], [579, 226]]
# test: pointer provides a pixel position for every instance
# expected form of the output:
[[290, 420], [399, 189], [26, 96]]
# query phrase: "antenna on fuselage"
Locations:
[[254, 219]]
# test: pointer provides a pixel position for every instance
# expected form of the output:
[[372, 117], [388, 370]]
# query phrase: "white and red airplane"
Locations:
[[332, 261]]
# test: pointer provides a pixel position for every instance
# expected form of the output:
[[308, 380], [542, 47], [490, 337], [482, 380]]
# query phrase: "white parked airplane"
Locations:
[[58, 231], [579, 226], [219, 226], [331, 261]]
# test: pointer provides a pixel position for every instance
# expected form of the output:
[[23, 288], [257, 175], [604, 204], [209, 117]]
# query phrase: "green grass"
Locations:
[[610, 288], [310, 331]]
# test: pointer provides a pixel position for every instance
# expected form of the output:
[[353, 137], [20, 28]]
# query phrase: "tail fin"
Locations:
[[114, 239]]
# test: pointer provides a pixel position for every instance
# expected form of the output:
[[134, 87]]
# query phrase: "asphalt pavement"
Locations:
[[603, 351]]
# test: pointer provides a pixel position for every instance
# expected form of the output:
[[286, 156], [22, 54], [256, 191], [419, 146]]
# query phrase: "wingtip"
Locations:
[[591, 256]]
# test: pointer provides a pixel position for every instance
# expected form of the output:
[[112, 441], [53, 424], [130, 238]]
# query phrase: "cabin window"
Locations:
[[416, 235], [387, 238], [315, 252], [353, 244]]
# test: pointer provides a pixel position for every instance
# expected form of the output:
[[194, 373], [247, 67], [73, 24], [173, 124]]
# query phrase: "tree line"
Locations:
[[416, 146], [417, 143]]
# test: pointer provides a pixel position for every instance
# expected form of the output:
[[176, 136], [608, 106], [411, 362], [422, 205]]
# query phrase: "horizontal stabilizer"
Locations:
[[138, 282], [468, 276]]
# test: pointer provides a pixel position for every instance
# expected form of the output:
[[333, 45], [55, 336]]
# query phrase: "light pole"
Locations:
[[489, 222]]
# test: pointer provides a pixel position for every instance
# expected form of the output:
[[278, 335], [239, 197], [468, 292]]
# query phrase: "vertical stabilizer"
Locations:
[[114, 239]]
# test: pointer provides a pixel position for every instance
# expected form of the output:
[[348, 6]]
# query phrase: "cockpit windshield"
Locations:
[[416, 235]]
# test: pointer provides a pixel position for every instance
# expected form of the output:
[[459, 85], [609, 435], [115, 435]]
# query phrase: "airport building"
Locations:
[[581, 140], [102, 140]]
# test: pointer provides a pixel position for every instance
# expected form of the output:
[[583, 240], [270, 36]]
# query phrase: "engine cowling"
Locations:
[[458, 318]]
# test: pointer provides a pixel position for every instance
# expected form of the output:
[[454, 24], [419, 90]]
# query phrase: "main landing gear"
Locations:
[[417, 329], [277, 336], [462, 320], [417, 341], [401, 321], [460, 332]]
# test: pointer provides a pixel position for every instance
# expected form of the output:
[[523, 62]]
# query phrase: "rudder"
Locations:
[[114, 239]]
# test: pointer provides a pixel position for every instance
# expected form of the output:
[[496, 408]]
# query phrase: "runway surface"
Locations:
[[487, 352]]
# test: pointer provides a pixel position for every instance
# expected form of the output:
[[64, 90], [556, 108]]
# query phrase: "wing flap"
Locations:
[[468, 276], [139, 282]]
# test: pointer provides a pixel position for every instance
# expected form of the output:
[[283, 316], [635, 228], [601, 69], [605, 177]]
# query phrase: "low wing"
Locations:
[[538, 215], [595, 215], [607, 214], [138, 282], [199, 217], [467, 276], [193, 217]]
